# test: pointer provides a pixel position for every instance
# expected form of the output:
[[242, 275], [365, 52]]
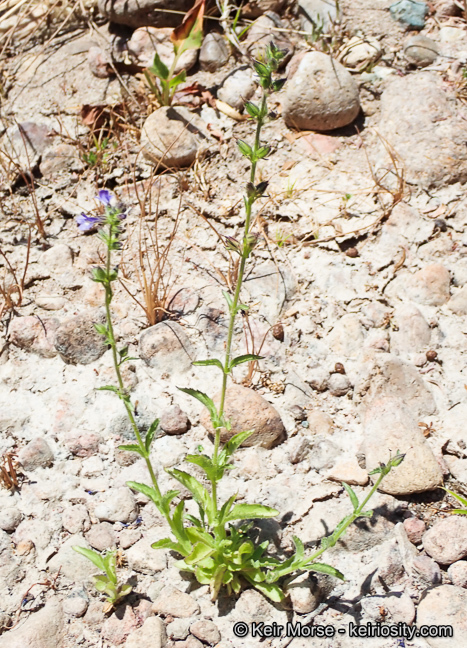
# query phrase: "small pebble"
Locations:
[[431, 355]]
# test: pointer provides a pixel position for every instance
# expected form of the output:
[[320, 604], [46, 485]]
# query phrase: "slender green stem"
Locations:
[[234, 307], [167, 95], [113, 344]]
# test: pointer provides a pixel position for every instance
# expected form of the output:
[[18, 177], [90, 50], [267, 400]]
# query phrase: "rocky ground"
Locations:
[[357, 294]]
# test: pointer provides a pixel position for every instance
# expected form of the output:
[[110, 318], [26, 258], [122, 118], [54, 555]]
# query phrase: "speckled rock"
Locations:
[[321, 95], [174, 137], [206, 631], [457, 572], [151, 635], [139, 13], [78, 342], [175, 603], [37, 454], [445, 605], [430, 140], [43, 629], [214, 52], [33, 334], [117, 505], [446, 541], [247, 410], [389, 425], [238, 87], [421, 50], [174, 420]]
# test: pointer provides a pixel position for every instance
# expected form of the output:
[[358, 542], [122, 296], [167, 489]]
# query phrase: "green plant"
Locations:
[[98, 155], [188, 35], [215, 545], [459, 498], [106, 583]]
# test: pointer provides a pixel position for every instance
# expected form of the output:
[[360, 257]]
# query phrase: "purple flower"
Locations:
[[105, 197], [87, 223]]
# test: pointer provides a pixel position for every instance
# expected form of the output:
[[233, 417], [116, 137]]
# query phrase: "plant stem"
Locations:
[[234, 307], [356, 514], [113, 344]]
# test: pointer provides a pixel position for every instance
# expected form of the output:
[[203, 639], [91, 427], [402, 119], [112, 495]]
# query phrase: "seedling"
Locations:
[[187, 36], [106, 583]]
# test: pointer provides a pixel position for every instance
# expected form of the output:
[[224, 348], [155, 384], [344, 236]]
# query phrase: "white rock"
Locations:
[[117, 505]]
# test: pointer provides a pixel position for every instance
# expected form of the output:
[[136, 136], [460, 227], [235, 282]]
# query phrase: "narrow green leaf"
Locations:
[[133, 448], [199, 535], [91, 555], [322, 568], [111, 388], [225, 510], [167, 543], [248, 357], [236, 441], [200, 551], [458, 497], [199, 492], [270, 590], [204, 462], [179, 78], [204, 399], [250, 512], [159, 68], [299, 548], [110, 566], [352, 495], [228, 299], [150, 434], [207, 363], [149, 491]]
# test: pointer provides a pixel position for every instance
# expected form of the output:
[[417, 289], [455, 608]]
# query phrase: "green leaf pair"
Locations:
[[106, 583]]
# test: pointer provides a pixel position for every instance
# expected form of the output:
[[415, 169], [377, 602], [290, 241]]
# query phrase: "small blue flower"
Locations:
[[87, 223], [105, 197]]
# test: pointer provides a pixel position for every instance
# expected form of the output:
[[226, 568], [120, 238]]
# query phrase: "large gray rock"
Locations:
[[247, 410], [321, 95], [174, 137], [43, 629], [422, 121], [389, 425], [446, 541], [139, 13], [445, 605]]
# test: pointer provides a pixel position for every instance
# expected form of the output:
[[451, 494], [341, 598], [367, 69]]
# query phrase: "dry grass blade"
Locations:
[[12, 292], [152, 268]]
